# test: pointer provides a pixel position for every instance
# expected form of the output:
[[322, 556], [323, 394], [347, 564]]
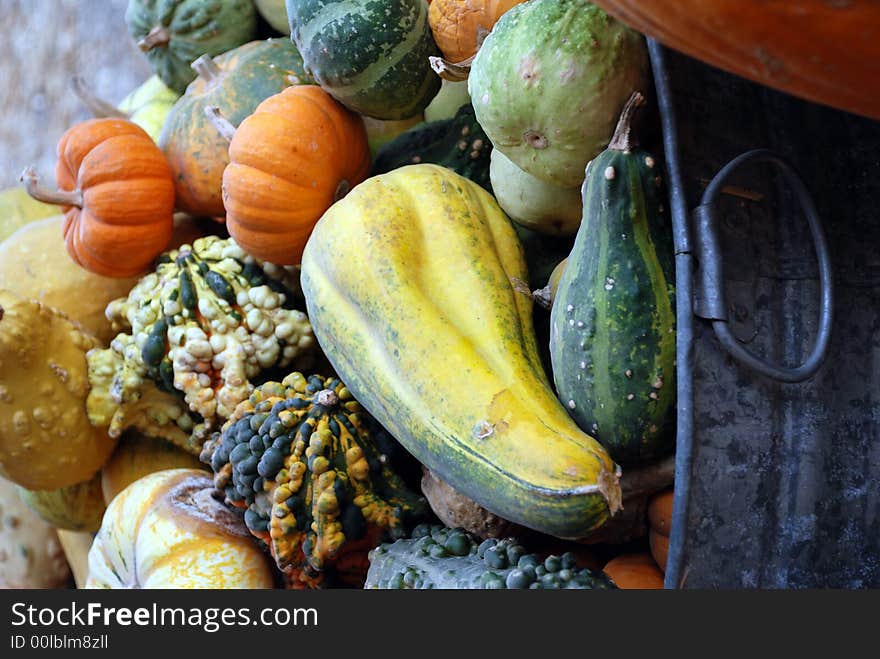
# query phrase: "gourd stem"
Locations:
[[207, 68], [155, 38], [623, 139], [58, 197], [453, 72], [221, 123], [97, 106]]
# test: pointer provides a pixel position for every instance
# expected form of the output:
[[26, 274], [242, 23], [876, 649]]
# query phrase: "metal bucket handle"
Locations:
[[710, 284]]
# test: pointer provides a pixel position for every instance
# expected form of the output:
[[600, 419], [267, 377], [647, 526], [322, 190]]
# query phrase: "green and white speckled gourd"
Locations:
[[173, 33], [612, 338], [372, 56], [549, 82], [204, 324]]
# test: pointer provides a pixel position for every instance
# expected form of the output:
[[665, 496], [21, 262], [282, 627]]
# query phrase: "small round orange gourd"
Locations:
[[636, 571], [298, 153], [459, 26], [117, 193]]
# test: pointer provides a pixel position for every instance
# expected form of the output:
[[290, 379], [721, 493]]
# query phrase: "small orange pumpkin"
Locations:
[[660, 525], [117, 193], [459, 26], [298, 153], [634, 571]]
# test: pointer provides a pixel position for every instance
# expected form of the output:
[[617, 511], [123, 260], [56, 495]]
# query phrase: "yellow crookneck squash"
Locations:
[[411, 283], [167, 530]]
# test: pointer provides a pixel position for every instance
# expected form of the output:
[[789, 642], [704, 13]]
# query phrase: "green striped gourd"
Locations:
[[612, 339], [371, 56]]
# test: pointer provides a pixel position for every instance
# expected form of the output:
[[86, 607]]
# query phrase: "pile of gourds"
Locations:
[[299, 303]]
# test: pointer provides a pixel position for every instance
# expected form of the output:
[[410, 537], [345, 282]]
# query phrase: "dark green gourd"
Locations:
[[458, 143], [436, 557], [612, 338], [370, 56]]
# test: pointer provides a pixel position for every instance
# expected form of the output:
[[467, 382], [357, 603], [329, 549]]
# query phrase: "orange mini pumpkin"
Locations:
[[117, 193], [298, 153], [636, 571], [459, 26]]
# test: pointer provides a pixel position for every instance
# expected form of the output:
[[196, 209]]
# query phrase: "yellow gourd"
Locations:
[[410, 288], [167, 530], [46, 440]]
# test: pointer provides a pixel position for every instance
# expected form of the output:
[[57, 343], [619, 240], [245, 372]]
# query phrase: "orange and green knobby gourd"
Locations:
[[235, 82], [312, 471], [167, 530], [173, 33], [410, 287], [46, 440]]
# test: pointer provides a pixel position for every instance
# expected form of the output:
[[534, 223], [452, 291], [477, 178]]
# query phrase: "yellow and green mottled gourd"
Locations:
[[46, 440], [167, 530], [612, 339], [409, 286]]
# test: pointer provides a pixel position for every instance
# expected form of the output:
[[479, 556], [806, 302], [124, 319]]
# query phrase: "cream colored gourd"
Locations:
[[167, 530], [46, 440], [30, 553], [535, 204]]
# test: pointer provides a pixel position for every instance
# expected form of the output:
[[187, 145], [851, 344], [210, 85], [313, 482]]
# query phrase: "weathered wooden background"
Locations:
[[45, 43]]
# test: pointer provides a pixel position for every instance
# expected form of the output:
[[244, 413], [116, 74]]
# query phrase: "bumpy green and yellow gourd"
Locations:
[[312, 472], [411, 284], [612, 338], [209, 320], [46, 440], [436, 557]]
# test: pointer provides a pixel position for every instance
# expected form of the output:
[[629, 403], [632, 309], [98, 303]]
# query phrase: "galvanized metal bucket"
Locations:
[[777, 479]]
